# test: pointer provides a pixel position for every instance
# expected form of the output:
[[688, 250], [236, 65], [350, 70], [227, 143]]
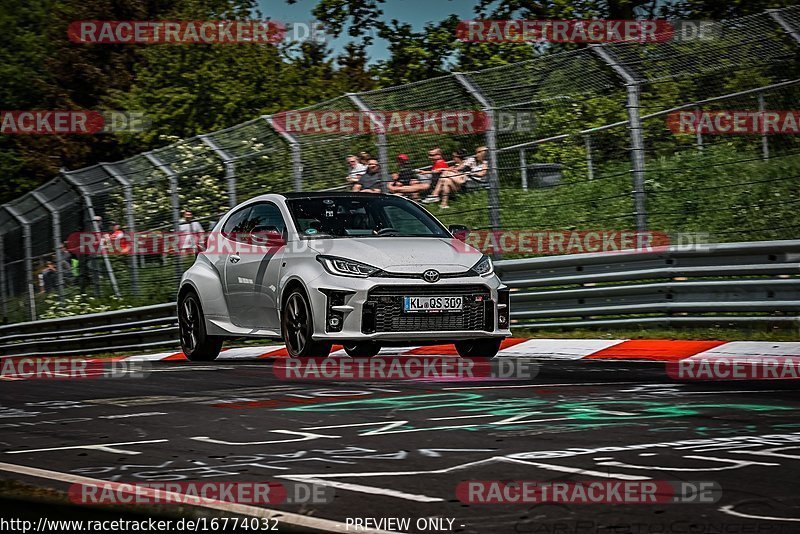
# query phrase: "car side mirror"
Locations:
[[459, 231]]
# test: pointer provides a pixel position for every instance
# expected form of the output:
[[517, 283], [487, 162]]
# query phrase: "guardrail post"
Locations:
[[383, 157], [523, 169], [491, 144], [632, 84], [230, 167], [56, 222], [3, 288], [127, 190], [294, 146], [87, 200], [26, 238], [172, 176]]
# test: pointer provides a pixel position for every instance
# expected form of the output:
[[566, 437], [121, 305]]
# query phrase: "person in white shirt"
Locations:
[[189, 233], [357, 169]]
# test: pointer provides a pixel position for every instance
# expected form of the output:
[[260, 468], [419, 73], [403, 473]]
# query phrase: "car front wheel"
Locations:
[[197, 345], [297, 327], [478, 348]]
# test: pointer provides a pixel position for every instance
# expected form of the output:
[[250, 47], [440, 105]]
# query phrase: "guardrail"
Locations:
[[731, 283], [131, 329], [737, 282]]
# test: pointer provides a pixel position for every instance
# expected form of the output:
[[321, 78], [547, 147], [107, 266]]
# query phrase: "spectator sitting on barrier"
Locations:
[[356, 169], [469, 171], [370, 181], [438, 166], [404, 181]]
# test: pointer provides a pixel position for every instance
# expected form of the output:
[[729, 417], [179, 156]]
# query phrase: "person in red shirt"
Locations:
[[438, 166]]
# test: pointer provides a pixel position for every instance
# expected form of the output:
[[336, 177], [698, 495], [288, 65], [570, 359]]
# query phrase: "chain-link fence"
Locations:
[[581, 140]]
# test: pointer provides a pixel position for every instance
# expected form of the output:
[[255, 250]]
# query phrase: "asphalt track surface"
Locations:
[[393, 449]]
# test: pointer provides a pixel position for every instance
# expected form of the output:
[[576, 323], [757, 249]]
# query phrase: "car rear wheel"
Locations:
[[197, 345], [297, 327], [363, 350], [478, 348]]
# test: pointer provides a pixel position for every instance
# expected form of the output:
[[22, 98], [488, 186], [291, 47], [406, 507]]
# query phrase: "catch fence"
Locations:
[[582, 140]]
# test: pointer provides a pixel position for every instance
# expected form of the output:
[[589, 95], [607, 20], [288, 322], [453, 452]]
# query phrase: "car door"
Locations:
[[252, 271], [228, 247]]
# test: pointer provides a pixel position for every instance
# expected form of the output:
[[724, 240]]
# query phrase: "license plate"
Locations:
[[432, 304]]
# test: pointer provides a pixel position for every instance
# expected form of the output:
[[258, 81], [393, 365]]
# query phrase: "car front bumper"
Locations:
[[364, 305]]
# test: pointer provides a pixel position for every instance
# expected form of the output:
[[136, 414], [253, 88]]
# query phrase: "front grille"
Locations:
[[383, 310]]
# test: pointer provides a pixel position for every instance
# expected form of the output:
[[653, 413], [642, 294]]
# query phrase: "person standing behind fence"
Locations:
[[190, 234]]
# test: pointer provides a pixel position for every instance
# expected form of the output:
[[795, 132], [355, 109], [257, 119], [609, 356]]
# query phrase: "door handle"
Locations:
[[234, 258]]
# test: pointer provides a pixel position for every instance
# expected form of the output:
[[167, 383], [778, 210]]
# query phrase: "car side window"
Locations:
[[236, 223], [265, 217]]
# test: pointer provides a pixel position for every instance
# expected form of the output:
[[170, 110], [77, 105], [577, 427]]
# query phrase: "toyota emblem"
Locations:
[[431, 275]]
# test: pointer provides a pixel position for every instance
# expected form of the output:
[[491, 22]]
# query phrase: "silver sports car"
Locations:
[[358, 269]]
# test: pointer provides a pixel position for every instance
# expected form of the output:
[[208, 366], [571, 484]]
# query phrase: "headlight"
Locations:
[[345, 267], [484, 267]]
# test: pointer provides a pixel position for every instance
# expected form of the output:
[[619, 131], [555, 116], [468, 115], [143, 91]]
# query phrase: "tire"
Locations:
[[364, 349], [197, 345], [297, 327], [478, 348]]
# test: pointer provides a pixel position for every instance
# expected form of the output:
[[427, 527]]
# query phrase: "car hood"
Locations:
[[403, 254]]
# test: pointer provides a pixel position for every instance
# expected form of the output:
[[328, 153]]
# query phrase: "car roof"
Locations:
[[325, 194]]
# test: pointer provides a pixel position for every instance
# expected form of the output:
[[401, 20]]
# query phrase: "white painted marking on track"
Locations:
[[561, 349], [105, 447], [288, 518], [367, 489], [728, 509], [128, 415], [751, 349]]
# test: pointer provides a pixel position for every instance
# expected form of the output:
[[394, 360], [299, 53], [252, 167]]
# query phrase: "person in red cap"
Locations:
[[404, 181]]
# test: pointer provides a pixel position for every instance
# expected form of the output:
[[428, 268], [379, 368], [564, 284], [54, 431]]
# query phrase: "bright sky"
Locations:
[[414, 12]]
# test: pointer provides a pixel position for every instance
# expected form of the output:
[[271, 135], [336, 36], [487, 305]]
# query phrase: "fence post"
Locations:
[[383, 157], [87, 199], [587, 140], [294, 145], [764, 140], [777, 16], [523, 166], [3, 289], [56, 217], [127, 190], [26, 238], [635, 127], [698, 132], [491, 144], [230, 167], [172, 176]]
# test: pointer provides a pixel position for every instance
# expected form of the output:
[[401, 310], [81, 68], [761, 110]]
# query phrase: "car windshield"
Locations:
[[362, 216]]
